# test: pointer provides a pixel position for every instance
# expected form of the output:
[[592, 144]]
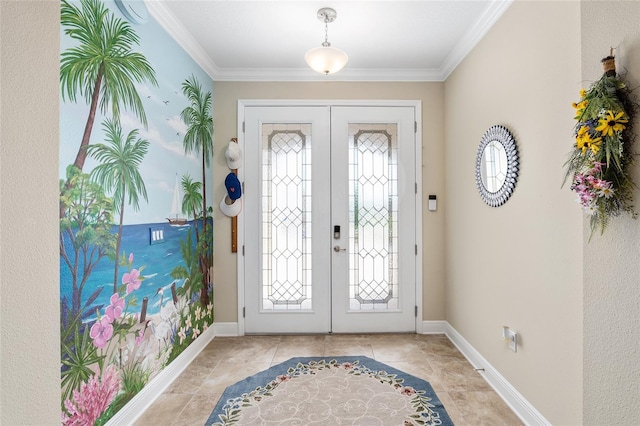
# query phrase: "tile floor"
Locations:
[[468, 399]]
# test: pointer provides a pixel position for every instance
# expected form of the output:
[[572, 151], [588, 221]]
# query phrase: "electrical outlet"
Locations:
[[512, 337]]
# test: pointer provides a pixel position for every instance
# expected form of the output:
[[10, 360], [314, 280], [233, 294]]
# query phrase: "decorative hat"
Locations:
[[234, 189], [232, 209], [233, 155]]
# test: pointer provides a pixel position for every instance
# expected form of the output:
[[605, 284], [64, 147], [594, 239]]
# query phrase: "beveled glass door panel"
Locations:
[[286, 217], [373, 211], [372, 182], [284, 149]]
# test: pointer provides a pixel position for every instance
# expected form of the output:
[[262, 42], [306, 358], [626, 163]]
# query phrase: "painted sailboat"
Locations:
[[176, 218]]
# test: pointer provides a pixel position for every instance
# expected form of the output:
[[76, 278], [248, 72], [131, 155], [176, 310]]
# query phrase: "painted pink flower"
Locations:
[[140, 337], [130, 258], [132, 280], [101, 332], [114, 310], [283, 378], [93, 398]]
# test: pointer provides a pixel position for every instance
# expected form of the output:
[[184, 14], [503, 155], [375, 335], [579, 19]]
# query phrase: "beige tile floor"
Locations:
[[468, 399]]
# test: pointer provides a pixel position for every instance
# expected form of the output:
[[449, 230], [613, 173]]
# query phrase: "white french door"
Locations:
[[329, 219]]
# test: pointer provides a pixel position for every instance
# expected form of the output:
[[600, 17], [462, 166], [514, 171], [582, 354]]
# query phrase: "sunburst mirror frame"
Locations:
[[503, 136]]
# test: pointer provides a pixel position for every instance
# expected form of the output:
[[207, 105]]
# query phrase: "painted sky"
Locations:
[[165, 130]]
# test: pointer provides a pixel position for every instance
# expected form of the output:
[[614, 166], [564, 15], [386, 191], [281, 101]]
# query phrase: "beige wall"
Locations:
[[520, 264], [612, 261], [29, 289], [522, 75], [226, 95]]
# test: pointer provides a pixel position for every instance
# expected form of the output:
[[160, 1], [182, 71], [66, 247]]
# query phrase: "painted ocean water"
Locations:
[[158, 258]]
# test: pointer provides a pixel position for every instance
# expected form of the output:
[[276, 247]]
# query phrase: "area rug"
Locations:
[[330, 391]]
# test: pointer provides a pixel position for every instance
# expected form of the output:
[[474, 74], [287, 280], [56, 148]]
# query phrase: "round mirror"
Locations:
[[496, 166]]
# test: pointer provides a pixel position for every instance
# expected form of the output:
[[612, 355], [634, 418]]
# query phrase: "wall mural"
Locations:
[[136, 140]]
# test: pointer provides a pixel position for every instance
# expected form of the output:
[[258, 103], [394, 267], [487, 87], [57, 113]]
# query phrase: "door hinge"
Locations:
[[243, 250], [416, 314], [244, 312], [416, 187], [416, 249], [243, 127], [415, 127]]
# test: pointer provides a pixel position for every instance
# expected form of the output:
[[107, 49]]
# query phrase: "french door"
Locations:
[[329, 219]]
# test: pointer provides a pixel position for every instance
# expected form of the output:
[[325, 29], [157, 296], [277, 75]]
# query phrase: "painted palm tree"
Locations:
[[192, 199], [199, 140], [102, 68], [118, 172]]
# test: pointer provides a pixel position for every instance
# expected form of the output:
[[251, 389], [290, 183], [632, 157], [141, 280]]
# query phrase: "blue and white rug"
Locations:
[[330, 391]]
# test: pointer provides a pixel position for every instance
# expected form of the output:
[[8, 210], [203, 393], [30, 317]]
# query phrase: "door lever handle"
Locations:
[[338, 249]]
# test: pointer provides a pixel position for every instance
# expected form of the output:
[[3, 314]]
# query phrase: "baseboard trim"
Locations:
[[143, 400], [226, 329], [514, 399], [434, 327]]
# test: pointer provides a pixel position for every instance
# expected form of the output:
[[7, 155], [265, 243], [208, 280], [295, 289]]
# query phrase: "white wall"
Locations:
[[612, 261], [520, 264], [29, 286]]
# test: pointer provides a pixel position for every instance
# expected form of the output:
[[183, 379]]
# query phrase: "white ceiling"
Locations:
[[386, 40]]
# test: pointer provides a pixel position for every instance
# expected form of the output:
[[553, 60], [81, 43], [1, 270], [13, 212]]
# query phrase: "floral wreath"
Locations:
[[600, 161]]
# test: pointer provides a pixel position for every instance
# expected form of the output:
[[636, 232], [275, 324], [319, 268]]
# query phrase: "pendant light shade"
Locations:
[[326, 59]]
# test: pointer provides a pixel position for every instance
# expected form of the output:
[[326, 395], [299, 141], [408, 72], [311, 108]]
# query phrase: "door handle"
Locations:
[[338, 249]]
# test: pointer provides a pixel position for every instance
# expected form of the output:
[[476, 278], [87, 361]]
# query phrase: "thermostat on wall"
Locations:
[[432, 203]]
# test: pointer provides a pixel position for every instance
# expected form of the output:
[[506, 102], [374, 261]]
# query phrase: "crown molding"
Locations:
[[184, 38], [473, 36]]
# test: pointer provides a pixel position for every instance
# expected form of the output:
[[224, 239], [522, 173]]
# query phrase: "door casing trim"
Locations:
[[416, 104]]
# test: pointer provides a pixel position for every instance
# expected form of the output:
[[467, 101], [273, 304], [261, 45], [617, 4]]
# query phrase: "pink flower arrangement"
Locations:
[[132, 280], [93, 398], [101, 332], [590, 187]]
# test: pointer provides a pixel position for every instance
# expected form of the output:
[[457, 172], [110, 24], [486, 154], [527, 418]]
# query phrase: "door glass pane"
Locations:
[[286, 217], [373, 212]]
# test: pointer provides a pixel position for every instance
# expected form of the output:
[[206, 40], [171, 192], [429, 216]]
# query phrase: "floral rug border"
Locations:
[[429, 410]]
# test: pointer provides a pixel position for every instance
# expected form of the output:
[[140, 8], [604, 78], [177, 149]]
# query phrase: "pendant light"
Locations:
[[326, 59]]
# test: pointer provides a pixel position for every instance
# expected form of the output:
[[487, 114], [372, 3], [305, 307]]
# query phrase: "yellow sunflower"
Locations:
[[593, 144], [581, 142], [610, 123], [584, 141], [580, 107]]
